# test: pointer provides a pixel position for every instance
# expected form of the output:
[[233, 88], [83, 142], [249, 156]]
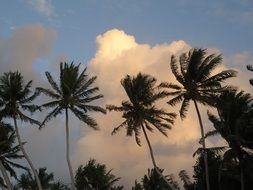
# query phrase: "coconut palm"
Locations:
[[153, 180], [15, 97], [27, 182], [185, 178], [8, 153], [194, 73], [140, 112], [75, 93], [234, 124], [94, 176]]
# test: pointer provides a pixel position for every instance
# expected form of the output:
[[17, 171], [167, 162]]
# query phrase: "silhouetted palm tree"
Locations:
[[27, 182], [140, 112], [153, 180], [234, 124], [188, 184], [8, 152], [94, 176], [15, 97], [75, 93], [193, 72]]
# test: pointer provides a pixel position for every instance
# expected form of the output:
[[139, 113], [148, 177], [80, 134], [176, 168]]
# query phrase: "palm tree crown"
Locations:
[[234, 124], [73, 92], [15, 96], [194, 73], [140, 109]]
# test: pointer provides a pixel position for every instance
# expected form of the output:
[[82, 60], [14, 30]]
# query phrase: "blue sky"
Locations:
[[226, 25], [134, 35]]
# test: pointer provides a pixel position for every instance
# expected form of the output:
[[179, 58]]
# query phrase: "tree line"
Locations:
[[226, 167]]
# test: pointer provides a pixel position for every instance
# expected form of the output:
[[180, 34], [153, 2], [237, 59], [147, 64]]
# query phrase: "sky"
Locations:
[[114, 38]]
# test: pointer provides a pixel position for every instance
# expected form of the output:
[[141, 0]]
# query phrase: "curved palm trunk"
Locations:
[[67, 151], [5, 176], [26, 155], [153, 159], [203, 145]]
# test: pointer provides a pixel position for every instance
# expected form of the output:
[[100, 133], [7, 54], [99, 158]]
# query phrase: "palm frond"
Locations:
[[175, 70], [91, 108], [220, 77], [184, 108], [116, 129], [50, 115], [114, 108], [48, 92], [207, 66], [85, 118], [170, 85], [90, 99], [52, 83], [215, 150], [27, 118], [176, 100]]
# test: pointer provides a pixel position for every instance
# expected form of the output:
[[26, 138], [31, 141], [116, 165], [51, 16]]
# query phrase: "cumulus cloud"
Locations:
[[44, 7], [118, 54], [26, 45]]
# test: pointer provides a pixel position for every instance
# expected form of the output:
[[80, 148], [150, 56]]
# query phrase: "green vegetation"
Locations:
[[227, 167]]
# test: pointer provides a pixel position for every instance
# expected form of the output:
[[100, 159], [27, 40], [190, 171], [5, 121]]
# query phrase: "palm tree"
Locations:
[[15, 97], [140, 112], [193, 72], [234, 124], [59, 186], [9, 152], [187, 183], [27, 182], [94, 176], [74, 92], [153, 180]]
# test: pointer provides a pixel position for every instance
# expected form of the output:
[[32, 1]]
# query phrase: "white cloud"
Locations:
[[44, 7], [118, 54]]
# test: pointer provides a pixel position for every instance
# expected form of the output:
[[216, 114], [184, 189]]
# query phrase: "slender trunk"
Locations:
[[5, 176], [26, 155], [67, 151], [204, 146], [153, 160]]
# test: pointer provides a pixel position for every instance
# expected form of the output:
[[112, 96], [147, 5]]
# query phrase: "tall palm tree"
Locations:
[[194, 73], [8, 153], [75, 93], [140, 112], [15, 97], [234, 124]]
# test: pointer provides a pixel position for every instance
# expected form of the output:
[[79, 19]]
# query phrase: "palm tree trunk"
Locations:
[[67, 151], [153, 159], [26, 155], [203, 145], [5, 176]]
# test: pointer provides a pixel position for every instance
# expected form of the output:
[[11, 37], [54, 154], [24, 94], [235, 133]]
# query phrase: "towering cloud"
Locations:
[[118, 54]]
